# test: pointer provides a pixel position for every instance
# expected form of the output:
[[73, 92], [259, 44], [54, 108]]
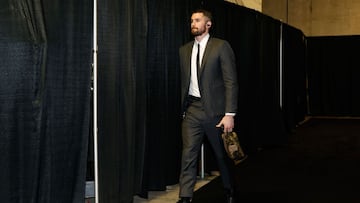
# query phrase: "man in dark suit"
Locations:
[[209, 92]]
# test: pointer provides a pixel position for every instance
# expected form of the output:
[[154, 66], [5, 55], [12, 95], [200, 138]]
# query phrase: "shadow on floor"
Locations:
[[319, 164]]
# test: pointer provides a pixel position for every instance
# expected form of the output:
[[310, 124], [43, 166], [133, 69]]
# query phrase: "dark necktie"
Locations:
[[198, 58]]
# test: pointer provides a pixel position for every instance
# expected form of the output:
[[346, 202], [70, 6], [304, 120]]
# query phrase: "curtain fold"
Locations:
[[294, 77], [22, 51], [44, 92], [122, 95]]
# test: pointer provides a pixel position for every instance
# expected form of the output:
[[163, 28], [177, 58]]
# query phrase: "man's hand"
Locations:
[[227, 122]]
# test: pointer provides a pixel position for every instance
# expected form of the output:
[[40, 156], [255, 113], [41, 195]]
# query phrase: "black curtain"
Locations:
[[139, 104], [168, 29], [45, 59], [269, 118], [294, 77], [122, 95], [333, 73], [241, 28], [255, 40]]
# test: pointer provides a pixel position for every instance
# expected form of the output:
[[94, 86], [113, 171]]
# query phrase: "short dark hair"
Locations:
[[205, 12]]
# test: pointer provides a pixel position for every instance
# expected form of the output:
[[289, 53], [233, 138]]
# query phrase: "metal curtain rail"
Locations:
[[95, 51]]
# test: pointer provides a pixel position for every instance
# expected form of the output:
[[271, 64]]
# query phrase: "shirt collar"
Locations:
[[204, 40]]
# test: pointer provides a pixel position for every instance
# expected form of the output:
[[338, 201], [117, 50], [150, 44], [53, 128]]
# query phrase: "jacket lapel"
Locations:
[[205, 56], [188, 59]]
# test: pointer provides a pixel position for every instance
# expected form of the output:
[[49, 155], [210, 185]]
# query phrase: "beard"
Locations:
[[197, 31]]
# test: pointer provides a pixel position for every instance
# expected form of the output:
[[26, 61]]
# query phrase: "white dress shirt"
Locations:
[[194, 84]]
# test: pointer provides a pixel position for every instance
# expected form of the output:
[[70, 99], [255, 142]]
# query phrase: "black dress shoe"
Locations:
[[184, 200]]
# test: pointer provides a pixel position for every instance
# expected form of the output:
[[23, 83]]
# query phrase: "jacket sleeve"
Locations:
[[229, 72]]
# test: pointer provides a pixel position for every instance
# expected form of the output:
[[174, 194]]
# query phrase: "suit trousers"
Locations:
[[195, 125]]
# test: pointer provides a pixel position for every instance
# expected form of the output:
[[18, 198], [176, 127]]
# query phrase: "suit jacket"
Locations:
[[217, 77]]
